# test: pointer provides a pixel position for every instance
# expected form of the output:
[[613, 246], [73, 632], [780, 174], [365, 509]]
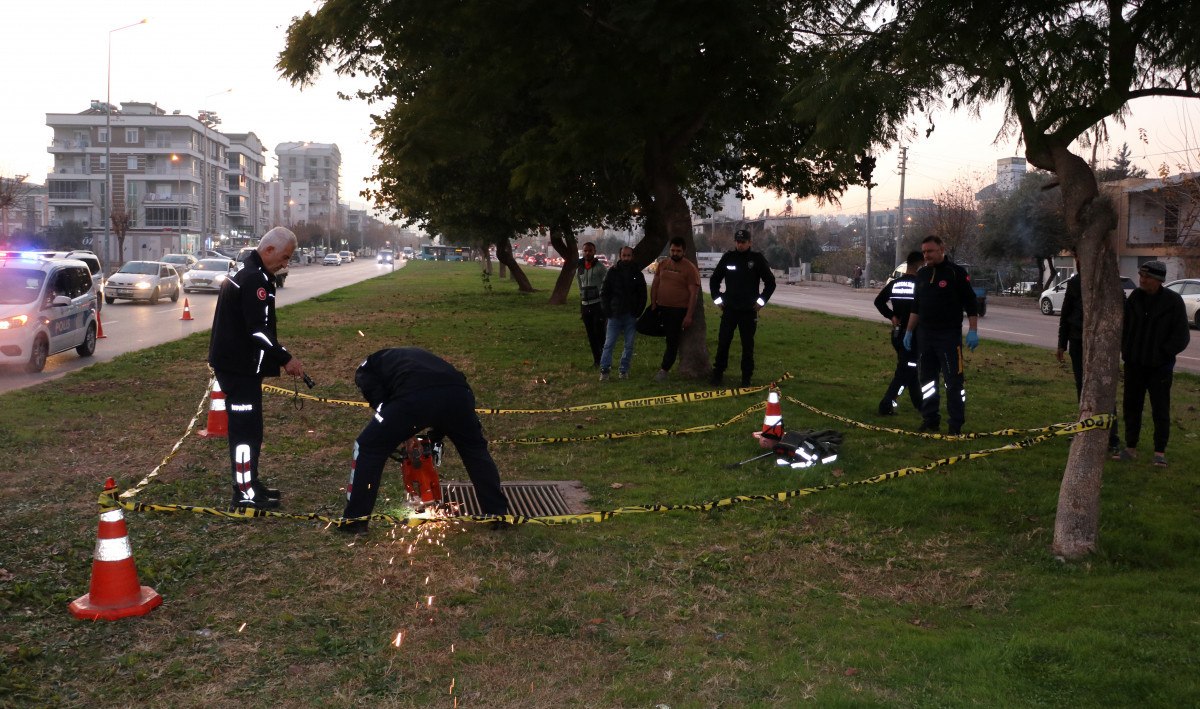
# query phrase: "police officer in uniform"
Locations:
[[410, 390], [243, 348], [943, 293], [900, 293], [748, 285]]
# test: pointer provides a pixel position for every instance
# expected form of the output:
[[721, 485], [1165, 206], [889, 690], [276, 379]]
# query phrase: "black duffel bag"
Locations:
[[650, 323]]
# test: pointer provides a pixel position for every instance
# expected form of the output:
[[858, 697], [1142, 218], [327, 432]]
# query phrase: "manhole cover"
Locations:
[[538, 498]]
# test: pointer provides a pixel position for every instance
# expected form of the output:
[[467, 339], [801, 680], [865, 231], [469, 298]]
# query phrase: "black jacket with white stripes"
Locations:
[[243, 339]]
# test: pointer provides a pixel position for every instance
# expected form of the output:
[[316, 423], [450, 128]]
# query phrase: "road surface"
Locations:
[[130, 326]]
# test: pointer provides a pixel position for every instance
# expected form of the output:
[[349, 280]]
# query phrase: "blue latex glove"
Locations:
[[908, 340], [972, 340]]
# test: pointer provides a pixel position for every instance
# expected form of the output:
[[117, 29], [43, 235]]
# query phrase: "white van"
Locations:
[[707, 262], [47, 305]]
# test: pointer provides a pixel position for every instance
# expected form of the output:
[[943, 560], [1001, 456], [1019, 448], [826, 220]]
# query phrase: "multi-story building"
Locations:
[[246, 203], [319, 165], [287, 203], [167, 172]]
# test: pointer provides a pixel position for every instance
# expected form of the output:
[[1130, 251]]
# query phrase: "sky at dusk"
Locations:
[[220, 55]]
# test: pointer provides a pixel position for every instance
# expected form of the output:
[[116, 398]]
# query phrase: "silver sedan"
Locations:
[[208, 274]]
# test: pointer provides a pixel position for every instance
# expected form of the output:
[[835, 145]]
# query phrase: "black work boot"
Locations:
[[261, 499]]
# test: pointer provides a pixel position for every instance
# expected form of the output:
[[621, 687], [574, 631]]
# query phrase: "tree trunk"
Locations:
[[1091, 217], [562, 238], [504, 255], [667, 217]]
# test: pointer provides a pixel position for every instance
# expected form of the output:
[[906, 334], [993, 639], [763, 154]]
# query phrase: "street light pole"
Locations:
[[106, 202]]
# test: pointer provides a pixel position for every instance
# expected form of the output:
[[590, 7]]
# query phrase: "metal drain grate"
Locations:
[[531, 499]]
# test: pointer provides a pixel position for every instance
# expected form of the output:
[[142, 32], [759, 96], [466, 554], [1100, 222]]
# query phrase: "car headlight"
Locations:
[[14, 322], [143, 285], [220, 278]]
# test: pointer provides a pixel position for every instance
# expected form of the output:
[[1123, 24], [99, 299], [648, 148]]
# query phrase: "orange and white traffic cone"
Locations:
[[114, 592], [187, 311], [218, 417], [99, 327], [772, 428]]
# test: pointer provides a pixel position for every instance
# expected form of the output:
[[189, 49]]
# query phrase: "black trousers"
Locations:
[[447, 410], [1075, 351], [672, 320], [243, 402], [1155, 381], [746, 324], [905, 376], [595, 325], [941, 353]]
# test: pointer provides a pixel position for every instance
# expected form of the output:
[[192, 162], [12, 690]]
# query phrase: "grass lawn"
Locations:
[[935, 589]]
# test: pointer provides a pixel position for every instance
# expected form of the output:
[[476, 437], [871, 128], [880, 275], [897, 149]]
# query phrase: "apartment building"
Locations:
[[167, 171], [319, 167], [246, 201]]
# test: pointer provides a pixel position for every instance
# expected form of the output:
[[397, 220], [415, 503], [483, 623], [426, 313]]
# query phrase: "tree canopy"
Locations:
[[580, 113]]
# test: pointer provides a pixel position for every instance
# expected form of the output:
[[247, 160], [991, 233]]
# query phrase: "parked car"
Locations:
[[208, 274], [1051, 300], [94, 266], [1189, 288], [332, 259], [182, 262], [47, 305], [143, 280], [385, 256], [347, 256]]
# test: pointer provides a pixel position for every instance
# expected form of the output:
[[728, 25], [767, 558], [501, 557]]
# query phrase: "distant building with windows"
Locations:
[[319, 166], [246, 201], [169, 171]]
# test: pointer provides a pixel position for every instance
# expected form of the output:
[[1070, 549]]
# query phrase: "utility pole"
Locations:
[[900, 211], [865, 167]]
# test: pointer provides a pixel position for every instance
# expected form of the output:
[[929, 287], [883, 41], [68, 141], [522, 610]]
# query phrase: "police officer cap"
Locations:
[[741, 235]]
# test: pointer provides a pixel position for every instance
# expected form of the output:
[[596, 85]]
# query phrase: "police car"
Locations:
[[47, 306]]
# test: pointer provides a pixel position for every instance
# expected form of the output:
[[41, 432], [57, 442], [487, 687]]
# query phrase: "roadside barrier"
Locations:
[[644, 402], [1009, 432], [1102, 421], [617, 435]]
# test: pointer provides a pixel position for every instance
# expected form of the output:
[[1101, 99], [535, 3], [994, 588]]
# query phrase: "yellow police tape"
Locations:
[[174, 449], [644, 402], [1096, 422], [535, 440], [1109, 418]]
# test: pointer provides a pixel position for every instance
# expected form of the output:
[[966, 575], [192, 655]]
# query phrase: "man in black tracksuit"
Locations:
[[900, 293], [1154, 332], [243, 348], [411, 389], [741, 271], [943, 293]]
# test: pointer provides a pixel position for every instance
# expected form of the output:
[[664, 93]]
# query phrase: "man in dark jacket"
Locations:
[[1155, 331], [590, 274], [748, 285], [900, 293], [943, 293], [410, 390], [623, 297], [243, 348]]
